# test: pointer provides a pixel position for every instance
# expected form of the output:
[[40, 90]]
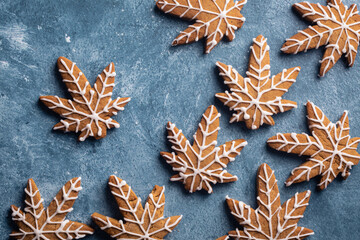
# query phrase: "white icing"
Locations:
[[272, 197], [37, 211], [337, 153], [256, 82], [327, 15], [82, 102], [146, 233], [196, 169], [199, 7]]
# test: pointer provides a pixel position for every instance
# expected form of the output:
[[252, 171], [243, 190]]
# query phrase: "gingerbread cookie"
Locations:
[[270, 220], [202, 163], [330, 148], [213, 19], [257, 97], [91, 109], [337, 27], [36, 222], [140, 223]]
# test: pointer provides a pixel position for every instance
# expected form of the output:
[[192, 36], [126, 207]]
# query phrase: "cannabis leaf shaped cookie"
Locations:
[[35, 222], [270, 220], [140, 223], [257, 97], [91, 109], [214, 19], [331, 150], [202, 163], [337, 27]]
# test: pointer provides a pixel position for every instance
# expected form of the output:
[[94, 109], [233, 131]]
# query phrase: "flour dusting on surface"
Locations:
[[4, 64], [67, 38], [16, 35]]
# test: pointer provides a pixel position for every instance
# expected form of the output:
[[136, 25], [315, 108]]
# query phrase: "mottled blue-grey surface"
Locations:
[[166, 84]]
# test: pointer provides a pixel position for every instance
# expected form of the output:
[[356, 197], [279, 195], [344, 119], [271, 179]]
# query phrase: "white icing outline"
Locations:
[[314, 141], [199, 24], [146, 233], [197, 170], [81, 92], [32, 209], [237, 100], [344, 26], [268, 215]]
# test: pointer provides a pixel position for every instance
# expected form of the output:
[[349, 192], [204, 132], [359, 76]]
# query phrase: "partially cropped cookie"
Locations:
[[335, 26], [213, 19], [330, 148], [255, 98], [91, 108], [270, 220], [139, 223], [36, 222], [201, 164]]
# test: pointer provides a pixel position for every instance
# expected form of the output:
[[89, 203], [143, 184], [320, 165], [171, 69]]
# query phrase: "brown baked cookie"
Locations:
[[330, 148], [36, 222], [213, 19], [201, 164], [336, 26], [91, 109], [140, 223], [270, 220], [257, 97]]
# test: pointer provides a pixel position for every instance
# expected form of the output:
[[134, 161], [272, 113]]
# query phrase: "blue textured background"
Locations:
[[165, 83]]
